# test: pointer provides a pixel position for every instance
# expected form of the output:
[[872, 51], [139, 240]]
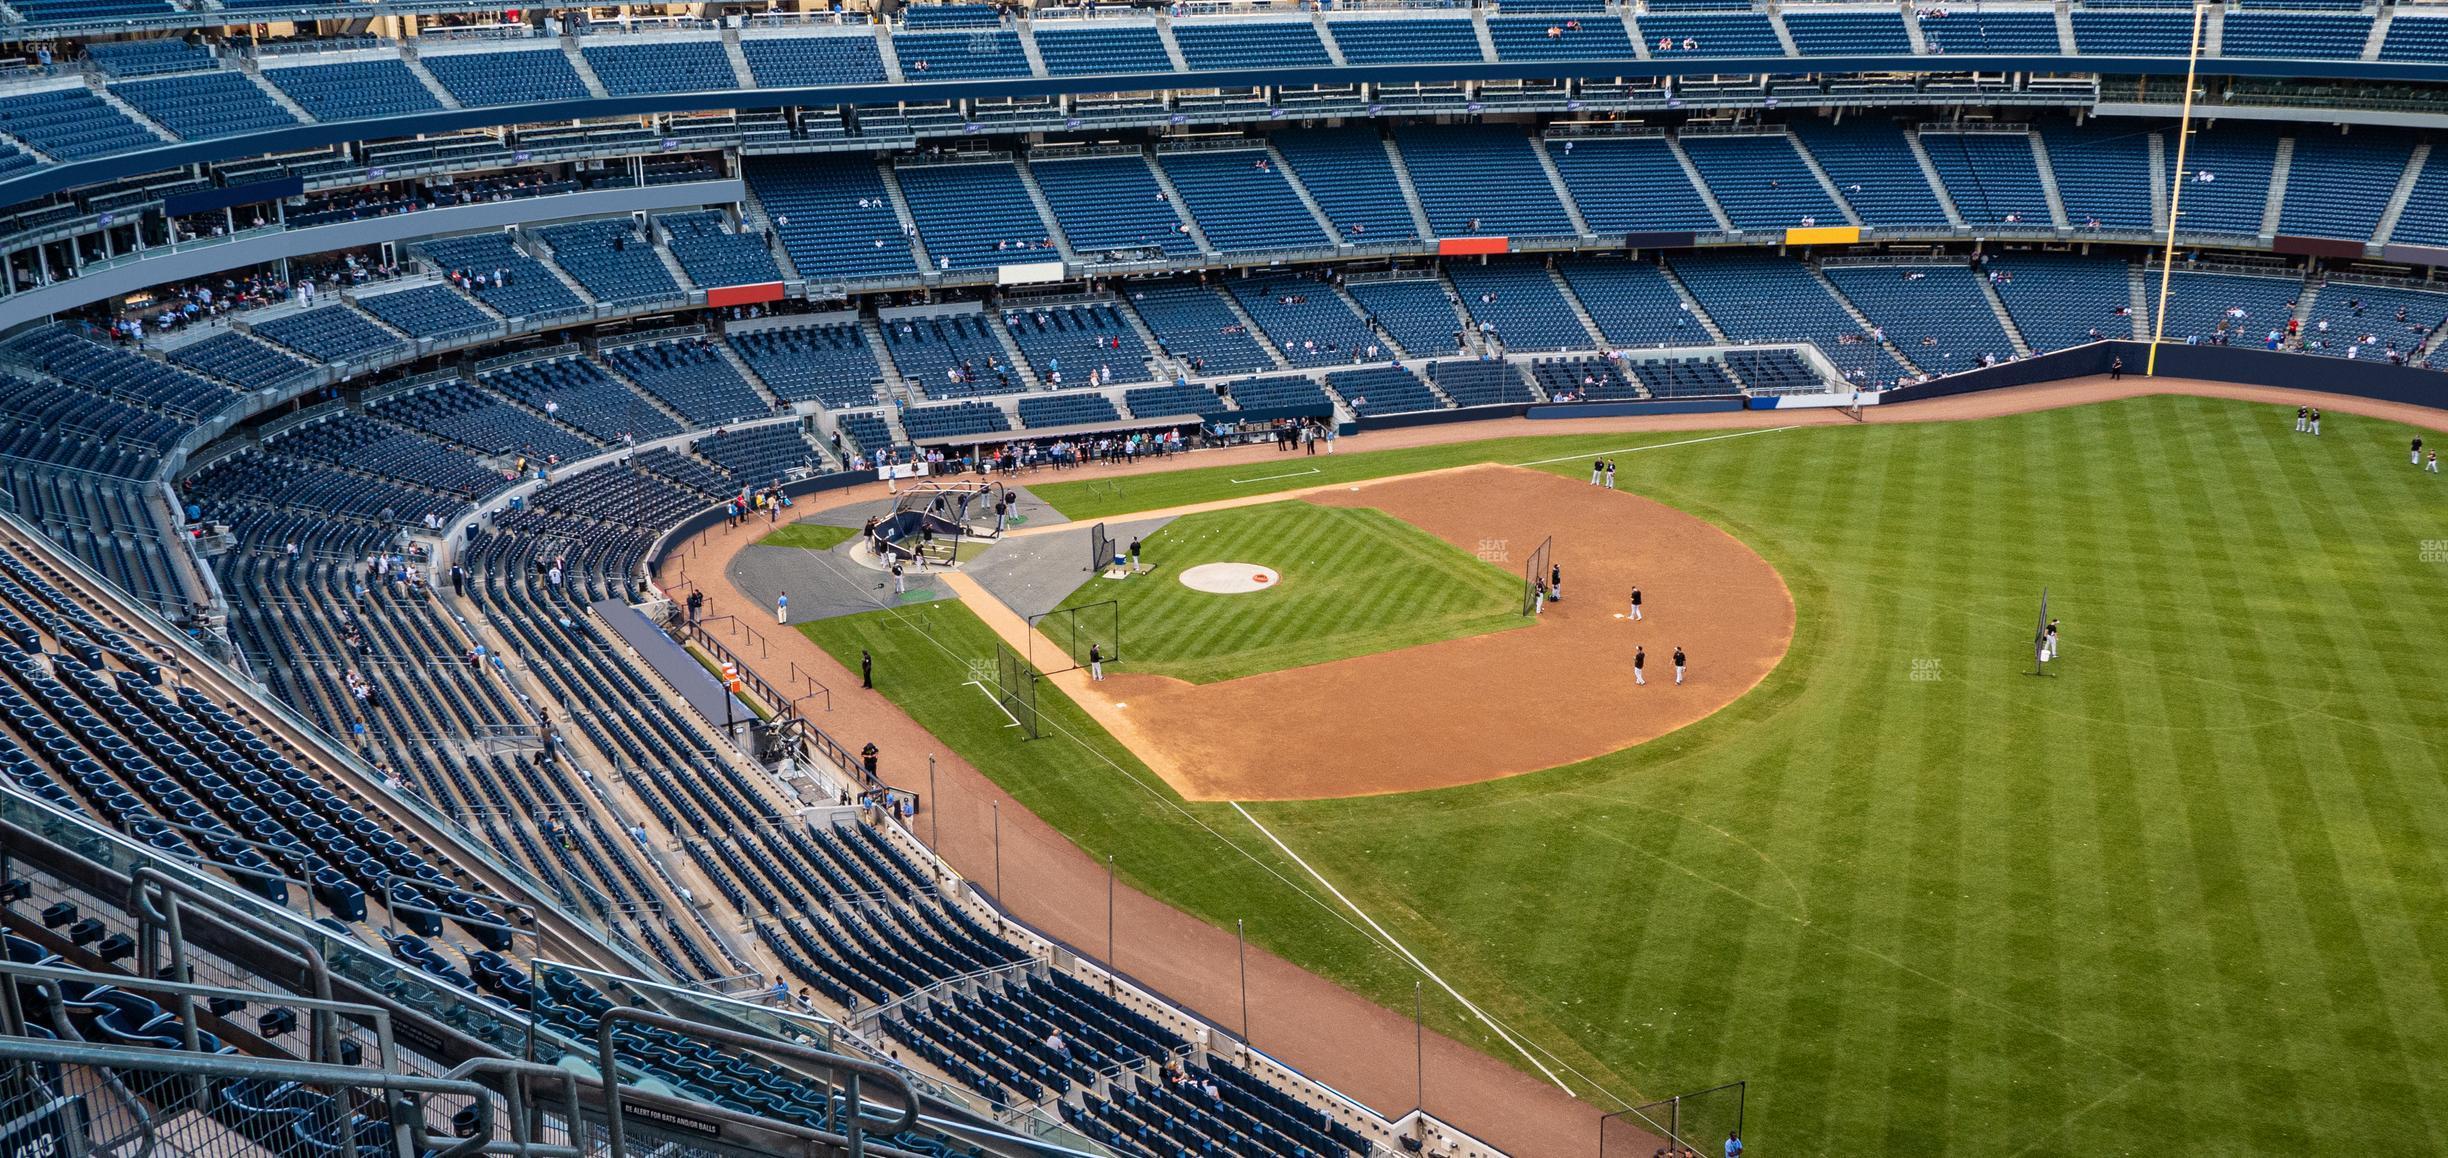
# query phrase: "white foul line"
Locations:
[[1399, 947], [1656, 445], [1273, 477]]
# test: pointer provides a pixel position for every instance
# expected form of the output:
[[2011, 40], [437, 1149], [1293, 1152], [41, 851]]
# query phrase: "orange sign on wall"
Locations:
[[741, 295], [1464, 246]]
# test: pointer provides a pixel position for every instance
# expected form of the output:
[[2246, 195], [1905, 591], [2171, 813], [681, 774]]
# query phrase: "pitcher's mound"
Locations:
[[1229, 578]]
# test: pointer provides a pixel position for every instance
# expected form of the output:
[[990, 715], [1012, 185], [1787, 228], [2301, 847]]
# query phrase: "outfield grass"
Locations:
[[813, 536], [1351, 582], [2187, 895]]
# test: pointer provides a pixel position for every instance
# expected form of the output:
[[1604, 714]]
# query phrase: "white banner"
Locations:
[[1029, 273], [901, 470], [1839, 398]]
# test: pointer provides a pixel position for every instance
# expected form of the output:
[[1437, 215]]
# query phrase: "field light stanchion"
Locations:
[[1241, 948], [1419, 1053], [2184, 137], [934, 807], [997, 805], [1111, 984]]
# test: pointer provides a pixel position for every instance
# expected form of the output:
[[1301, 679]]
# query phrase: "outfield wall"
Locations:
[[2378, 381]]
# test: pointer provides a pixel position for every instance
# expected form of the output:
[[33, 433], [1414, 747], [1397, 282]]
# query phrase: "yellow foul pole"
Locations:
[[2184, 137]]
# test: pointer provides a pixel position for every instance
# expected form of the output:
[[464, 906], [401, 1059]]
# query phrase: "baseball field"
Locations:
[[2188, 892]]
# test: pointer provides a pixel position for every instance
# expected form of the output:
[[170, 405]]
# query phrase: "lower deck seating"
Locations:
[[1383, 390], [1480, 382]]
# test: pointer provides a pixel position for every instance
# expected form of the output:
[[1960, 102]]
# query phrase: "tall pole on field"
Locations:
[[934, 807], [998, 853], [1241, 946], [1419, 1054], [2184, 138], [1110, 967]]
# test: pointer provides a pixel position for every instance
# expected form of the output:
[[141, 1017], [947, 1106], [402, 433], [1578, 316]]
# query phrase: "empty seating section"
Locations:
[[1071, 408], [808, 61], [1630, 185], [1760, 297], [950, 355], [2017, 32], [1685, 378], [1936, 314], [2238, 309], [71, 124], [1404, 39], [1481, 180], [1417, 313], [2227, 191], [1632, 302], [48, 422], [108, 370], [331, 334], [1519, 303], [826, 363], [758, 455], [1349, 175], [715, 256], [458, 413], [2425, 219], [661, 66], [2113, 33], [692, 377], [1382, 390], [2372, 321], [1171, 400], [1847, 32], [1874, 170], [1480, 382], [981, 55], [953, 420], [1244, 43], [353, 90], [1993, 178], [530, 290], [974, 216], [866, 433], [832, 215], [2414, 37], [1305, 318], [2058, 300], [433, 311], [1761, 182], [1077, 339], [611, 259], [1107, 204], [1197, 327], [204, 104], [1099, 46], [235, 357], [1595, 36], [578, 392], [1773, 372], [1241, 200], [2339, 185], [146, 57], [1709, 34], [507, 78], [2104, 175], [371, 446], [2314, 35], [1283, 395]]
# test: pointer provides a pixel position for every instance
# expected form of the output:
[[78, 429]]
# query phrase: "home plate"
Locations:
[[1229, 578]]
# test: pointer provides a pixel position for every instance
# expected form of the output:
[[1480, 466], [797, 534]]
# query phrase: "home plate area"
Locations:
[[1229, 578]]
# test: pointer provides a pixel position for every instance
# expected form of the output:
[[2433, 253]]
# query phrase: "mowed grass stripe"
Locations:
[[1353, 581]]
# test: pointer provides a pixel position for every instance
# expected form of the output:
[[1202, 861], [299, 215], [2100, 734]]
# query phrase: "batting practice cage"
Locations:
[[2040, 638], [1016, 688], [1100, 548], [1699, 1122], [1075, 630], [1534, 573]]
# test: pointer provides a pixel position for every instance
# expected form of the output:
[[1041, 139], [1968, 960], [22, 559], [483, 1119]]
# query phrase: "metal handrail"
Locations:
[[853, 1135]]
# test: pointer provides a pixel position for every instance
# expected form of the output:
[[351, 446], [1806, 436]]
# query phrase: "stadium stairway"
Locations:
[[739, 61], [901, 213], [432, 85], [1827, 183], [2048, 181], [1555, 179], [1250, 327], [2006, 322], [1301, 191], [1580, 311], [1854, 312], [2143, 294], [2403, 195], [1402, 177], [1172, 47], [594, 84], [1022, 371], [1045, 210], [2279, 168], [1716, 333], [749, 375], [1182, 207], [895, 385], [1691, 173], [1929, 171]]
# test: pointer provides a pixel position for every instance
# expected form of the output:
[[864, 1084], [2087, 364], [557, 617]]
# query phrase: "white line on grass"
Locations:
[[1403, 949], [1274, 477], [1655, 446]]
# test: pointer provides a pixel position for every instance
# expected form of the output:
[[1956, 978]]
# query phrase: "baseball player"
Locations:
[[900, 586], [1610, 474], [2418, 450], [1096, 662], [1640, 659], [1555, 582], [2052, 639], [1539, 605], [1678, 660], [1636, 604], [1134, 554], [1597, 468], [2316, 422], [2432, 464], [782, 608], [2303, 423]]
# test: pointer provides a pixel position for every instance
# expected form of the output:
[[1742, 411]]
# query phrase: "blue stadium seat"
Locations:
[[611, 259], [2103, 174], [810, 61], [1195, 325], [715, 256], [532, 292], [527, 76], [1241, 42], [976, 55], [437, 312], [1081, 48], [833, 216], [1632, 303], [661, 66], [1349, 175], [1847, 32], [950, 356], [333, 333], [204, 104], [1761, 297], [1517, 300], [1241, 200], [1401, 38], [1707, 34], [2228, 190], [2100, 32], [354, 90], [1305, 318], [1760, 181], [2339, 185], [1993, 178], [1382, 390], [1417, 312], [1935, 313], [2060, 300], [2414, 36], [825, 363], [693, 378], [1481, 180], [2309, 35], [1560, 36], [1996, 32], [1873, 168], [1107, 204], [71, 124], [975, 215], [1630, 185], [1075, 340]]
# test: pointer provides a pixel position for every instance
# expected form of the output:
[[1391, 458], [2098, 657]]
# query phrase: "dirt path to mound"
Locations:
[[1500, 704]]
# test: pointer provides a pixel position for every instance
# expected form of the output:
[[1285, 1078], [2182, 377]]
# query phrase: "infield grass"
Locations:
[[813, 536], [2187, 895], [1352, 581]]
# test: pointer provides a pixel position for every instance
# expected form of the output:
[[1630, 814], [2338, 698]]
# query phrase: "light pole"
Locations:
[[1111, 983], [934, 806], [1241, 947], [2184, 137], [997, 805], [1419, 1054]]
